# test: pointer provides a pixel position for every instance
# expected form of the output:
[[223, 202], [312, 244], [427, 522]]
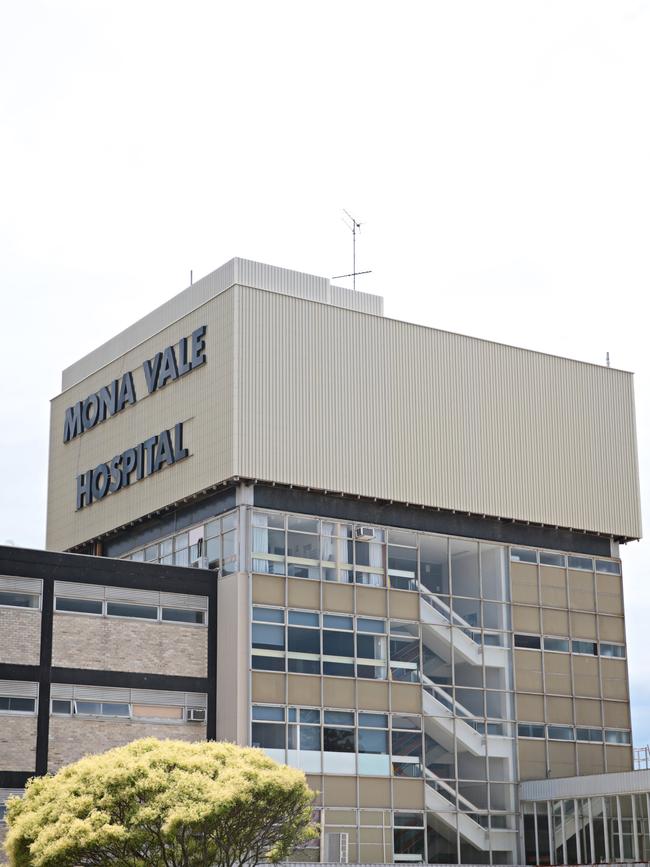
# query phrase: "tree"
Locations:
[[159, 803]]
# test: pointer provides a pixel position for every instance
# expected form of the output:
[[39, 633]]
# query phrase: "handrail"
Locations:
[[445, 789], [448, 701], [451, 616]]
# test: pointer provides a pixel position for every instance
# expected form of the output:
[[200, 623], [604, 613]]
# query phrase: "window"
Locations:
[[530, 642], [587, 647], [408, 837], [556, 644], [523, 555], [560, 733], [617, 650], [528, 730], [593, 735], [404, 651], [613, 567], [182, 615], [15, 704], [80, 606], [18, 599], [584, 563], [128, 609], [268, 730], [97, 708], [339, 732], [613, 736], [547, 558], [60, 706]]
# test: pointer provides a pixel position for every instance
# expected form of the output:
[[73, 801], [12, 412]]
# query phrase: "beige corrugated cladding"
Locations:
[[311, 394]]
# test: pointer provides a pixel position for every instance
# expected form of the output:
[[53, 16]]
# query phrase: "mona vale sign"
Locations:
[[154, 453]]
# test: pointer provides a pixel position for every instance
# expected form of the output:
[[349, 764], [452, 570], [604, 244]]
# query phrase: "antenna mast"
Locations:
[[354, 226]]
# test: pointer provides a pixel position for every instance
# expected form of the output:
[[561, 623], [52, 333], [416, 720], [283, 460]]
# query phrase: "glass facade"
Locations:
[[587, 830], [449, 617]]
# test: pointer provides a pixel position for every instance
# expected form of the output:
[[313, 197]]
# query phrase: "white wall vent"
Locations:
[[336, 848]]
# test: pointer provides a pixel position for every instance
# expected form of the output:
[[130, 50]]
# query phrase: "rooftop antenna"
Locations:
[[607, 359], [354, 226], [191, 277]]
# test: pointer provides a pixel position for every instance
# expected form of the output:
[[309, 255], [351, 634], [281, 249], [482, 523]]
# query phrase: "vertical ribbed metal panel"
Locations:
[[334, 399], [362, 301], [281, 280]]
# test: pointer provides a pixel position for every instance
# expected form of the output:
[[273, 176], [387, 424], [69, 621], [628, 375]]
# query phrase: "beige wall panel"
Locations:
[[611, 628], [340, 817], [582, 594], [303, 689], [372, 695], [338, 692], [303, 594], [523, 579], [406, 697], [617, 714], [371, 854], [561, 759], [588, 712], [618, 758], [559, 710], [614, 676], [71, 738], [591, 759], [20, 636], [408, 794], [17, 743], [372, 601], [579, 460], [586, 681], [267, 687], [530, 707], [558, 684], [203, 399], [525, 619], [553, 584], [609, 589], [268, 589], [404, 605], [374, 792], [315, 783], [583, 625], [532, 759], [233, 642], [338, 598], [528, 670], [339, 791], [80, 641], [555, 621]]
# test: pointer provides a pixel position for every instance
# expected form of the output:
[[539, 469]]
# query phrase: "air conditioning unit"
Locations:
[[365, 534], [336, 848], [196, 714]]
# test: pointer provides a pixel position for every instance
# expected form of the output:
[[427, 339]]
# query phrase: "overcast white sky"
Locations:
[[497, 152]]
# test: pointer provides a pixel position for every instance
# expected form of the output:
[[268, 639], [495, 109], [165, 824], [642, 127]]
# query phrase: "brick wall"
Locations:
[[129, 645], [17, 742], [20, 636], [71, 738]]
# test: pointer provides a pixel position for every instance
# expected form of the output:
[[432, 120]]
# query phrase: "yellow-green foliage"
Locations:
[[162, 804]]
